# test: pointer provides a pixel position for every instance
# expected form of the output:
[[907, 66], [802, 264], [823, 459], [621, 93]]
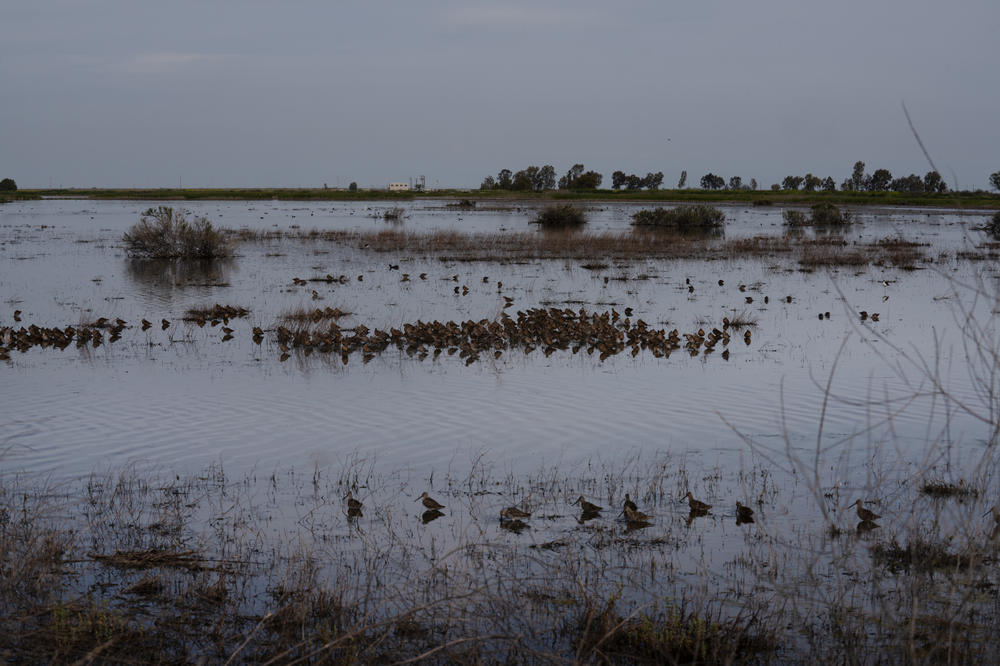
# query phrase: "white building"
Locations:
[[399, 187]]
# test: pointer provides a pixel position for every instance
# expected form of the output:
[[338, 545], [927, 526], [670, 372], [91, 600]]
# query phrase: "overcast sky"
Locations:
[[217, 94]]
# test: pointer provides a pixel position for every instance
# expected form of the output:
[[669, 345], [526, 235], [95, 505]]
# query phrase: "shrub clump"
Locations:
[[821, 214], [681, 218], [394, 213], [565, 216], [8, 185], [993, 226], [162, 233]]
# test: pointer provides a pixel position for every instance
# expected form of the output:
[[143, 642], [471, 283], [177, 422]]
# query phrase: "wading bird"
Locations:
[[429, 502], [863, 513], [696, 506], [587, 506]]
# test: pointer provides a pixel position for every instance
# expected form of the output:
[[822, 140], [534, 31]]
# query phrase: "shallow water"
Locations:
[[185, 398]]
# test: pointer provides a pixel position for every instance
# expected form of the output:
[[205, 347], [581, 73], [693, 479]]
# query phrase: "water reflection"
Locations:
[[164, 275], [431, 515], [680, 234], [516, 526]]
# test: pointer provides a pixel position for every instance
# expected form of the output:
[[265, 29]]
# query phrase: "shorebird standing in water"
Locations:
[[512, 513], [863, 513], [587, 506], [696, 506], [636, 516], [352, 503], [429, 502]]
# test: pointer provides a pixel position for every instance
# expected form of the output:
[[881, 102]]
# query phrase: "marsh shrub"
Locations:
[[565, 216], [823, 214], [681, 218], [827, 213], [394, 213], [794, 218], [993, 226], [162, 233], [8, 185]]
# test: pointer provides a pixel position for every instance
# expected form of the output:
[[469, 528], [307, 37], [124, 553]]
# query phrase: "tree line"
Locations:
[[880, 180], [539, 179]]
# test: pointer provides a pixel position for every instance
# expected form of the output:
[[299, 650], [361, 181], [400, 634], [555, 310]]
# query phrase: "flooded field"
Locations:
[[225, 410]]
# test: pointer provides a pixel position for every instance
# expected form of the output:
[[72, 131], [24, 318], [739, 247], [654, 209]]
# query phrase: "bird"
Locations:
[[744, 514], [512, 512], [863, 513], [164, 324], [587, 506], [629, 504], [430, 503], [635, 516], [695, 505], [352, 503]]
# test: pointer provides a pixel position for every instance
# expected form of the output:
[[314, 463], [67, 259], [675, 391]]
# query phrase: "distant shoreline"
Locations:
[[975, 200]]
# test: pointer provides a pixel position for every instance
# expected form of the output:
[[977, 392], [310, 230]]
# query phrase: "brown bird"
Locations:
[[744, 514], [352, 503], [634, 516], [146, 324], [863, 513], [587, 506], [430, 503], [629, 504], [695, 504], [512, 512], [164, 324]]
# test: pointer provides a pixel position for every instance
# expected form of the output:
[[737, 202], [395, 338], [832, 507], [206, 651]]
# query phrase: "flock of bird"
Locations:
[[512, 518], [548, 329]]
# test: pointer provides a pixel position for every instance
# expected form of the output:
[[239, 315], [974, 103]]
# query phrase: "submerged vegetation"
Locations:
[[681, 218], [565, 216], [821, 214], [162, 233]]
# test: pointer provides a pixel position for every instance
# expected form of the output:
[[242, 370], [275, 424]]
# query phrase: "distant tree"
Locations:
[[775, 187], [633, 182], [618, 179], [546, 178], [858, 177], [736, 183], [521, 180], [505, 180], [653, 181], [933, 182], [488, 183], [995, 180], [912, 184], [684, 179], [753, 183], [8, 185], [880, 180], [828, 185], [811, 182], [712, 182], [567, 182], [353, 187], [791, 182], [589, 180]]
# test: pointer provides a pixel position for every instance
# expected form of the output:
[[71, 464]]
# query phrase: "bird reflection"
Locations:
[[633, 525], [516, 526], [431, 514], [866, 526]]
